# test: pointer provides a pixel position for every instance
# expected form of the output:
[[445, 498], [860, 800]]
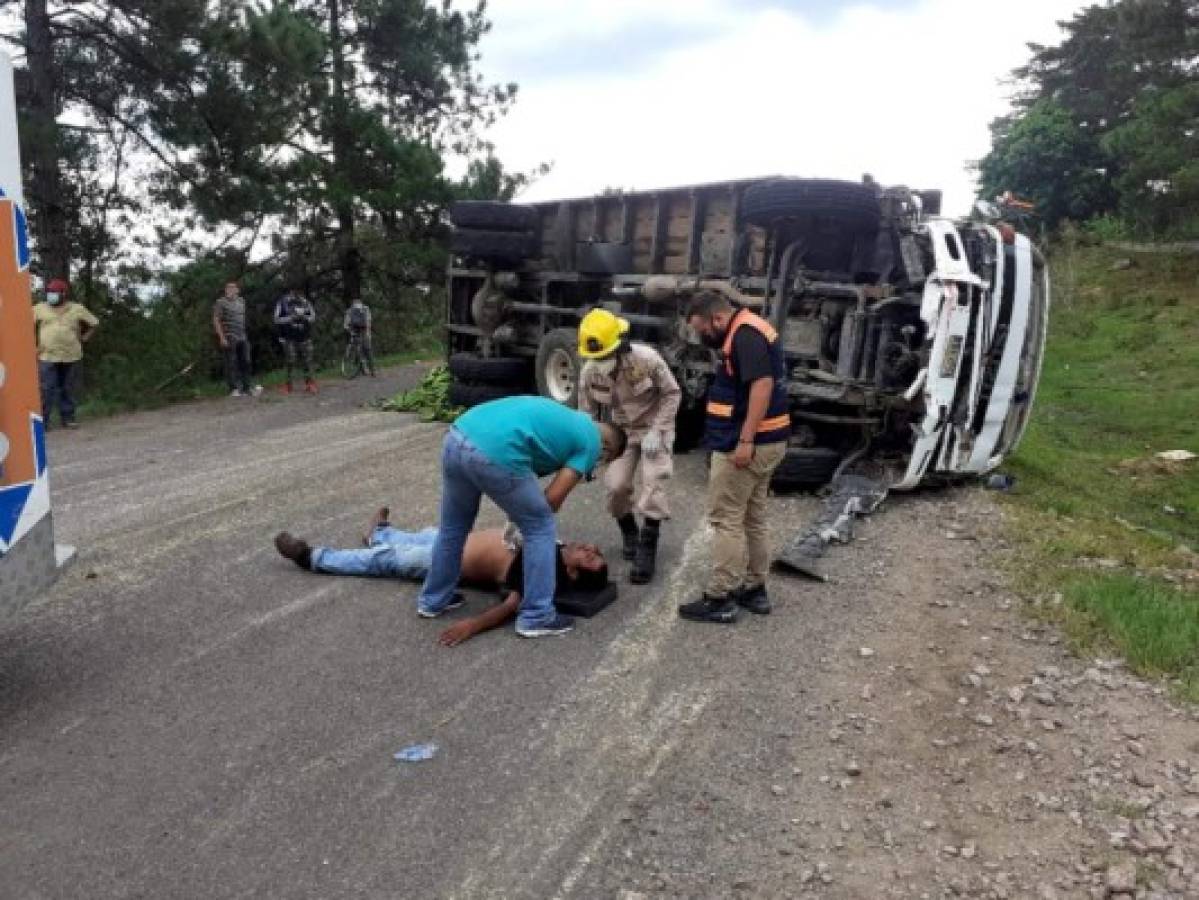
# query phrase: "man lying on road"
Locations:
[[492, 558]]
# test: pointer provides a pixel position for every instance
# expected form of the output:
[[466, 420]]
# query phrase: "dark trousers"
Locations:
[[363, 340], [301, 350], [58, 388], [237, 365]]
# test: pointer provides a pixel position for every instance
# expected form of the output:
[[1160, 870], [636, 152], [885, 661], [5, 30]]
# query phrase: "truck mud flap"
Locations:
[[849, 496]]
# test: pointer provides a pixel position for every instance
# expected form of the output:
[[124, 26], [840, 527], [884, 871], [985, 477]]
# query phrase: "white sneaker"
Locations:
[[256, 390], [236, 393]]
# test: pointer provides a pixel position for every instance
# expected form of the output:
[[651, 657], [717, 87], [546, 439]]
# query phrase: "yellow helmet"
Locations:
[[600, 333]]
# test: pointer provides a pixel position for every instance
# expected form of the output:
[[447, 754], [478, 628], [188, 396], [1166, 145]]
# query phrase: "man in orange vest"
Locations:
[[747, 427]]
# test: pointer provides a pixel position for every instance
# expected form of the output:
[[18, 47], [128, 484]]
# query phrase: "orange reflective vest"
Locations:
[[728, 398]]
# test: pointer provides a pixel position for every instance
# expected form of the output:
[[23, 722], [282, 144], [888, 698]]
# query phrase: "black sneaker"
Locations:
[[754, 599], [720, 610]]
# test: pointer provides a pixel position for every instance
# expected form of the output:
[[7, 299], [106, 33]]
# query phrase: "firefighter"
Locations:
[[631, 386]]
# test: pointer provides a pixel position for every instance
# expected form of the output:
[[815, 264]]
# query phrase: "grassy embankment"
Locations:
[[1110, 530], [102, 402]]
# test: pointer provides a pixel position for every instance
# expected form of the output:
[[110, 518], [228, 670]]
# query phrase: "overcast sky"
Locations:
[[652, 93]]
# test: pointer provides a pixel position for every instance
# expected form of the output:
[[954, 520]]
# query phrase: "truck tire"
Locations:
[[471, 368], [468, 395], [849, 203], [490, 215], [805, 469], [558, 365], [494, 246]]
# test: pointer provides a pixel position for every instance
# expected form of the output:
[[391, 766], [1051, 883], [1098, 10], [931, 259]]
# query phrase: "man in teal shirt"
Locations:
[[500, 449]]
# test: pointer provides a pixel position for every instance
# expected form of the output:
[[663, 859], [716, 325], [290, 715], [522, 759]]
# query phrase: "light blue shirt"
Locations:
[[533, 434]]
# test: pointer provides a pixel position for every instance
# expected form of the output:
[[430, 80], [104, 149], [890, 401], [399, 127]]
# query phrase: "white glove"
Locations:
[[651, 444]]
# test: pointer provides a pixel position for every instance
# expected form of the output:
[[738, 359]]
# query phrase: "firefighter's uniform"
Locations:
[[631, 386]]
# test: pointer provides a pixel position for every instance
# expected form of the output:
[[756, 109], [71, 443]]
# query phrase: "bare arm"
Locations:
[[216, 325], [563, 483], [484, 621]]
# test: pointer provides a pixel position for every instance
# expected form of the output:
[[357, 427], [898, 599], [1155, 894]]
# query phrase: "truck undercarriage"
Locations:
[[913, 342]]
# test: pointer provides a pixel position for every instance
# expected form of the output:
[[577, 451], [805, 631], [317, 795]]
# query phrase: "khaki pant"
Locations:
[[737, 512], [653, 501]]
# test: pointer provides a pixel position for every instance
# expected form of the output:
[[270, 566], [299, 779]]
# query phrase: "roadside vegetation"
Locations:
[[170, 147], [430, 399], [1111, 529], [1102, 132]]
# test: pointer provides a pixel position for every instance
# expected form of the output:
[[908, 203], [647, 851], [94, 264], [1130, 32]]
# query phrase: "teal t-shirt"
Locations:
[[532, 434]]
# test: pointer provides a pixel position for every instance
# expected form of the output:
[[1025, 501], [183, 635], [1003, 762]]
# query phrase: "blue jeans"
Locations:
[[392, 554], [466, 475], [58, 389]]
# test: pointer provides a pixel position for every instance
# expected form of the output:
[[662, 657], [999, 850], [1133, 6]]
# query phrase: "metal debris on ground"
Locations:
[[850, 496]]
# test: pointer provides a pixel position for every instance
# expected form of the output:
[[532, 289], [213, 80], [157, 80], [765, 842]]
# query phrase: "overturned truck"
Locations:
[[912, 341]]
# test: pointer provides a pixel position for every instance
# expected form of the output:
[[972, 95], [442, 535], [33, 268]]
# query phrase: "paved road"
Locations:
[[186, 714]]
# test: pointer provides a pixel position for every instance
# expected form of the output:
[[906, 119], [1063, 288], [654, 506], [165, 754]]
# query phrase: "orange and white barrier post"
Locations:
[[29, 559]]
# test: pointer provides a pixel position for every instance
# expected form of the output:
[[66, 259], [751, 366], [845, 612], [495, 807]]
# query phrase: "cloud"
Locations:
[[708, 90]]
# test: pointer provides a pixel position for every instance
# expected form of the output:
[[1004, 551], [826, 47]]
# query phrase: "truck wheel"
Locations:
[[489, 215], [805, 469], [849, 203], [558, 366], [468, 395], [474, 369], [494, 246]]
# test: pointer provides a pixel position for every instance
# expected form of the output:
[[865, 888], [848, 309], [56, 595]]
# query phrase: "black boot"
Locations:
[[719, 609], [629, 532], [647, 554], [753, 598]]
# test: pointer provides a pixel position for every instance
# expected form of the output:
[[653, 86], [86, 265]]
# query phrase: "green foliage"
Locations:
[[1154, 626], [1043, 154], [1108, 228], [1157, 154], [430, 399], [1105, 121], [1120, 383]]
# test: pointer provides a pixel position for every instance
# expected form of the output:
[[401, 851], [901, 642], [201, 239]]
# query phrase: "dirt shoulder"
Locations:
[[906, 731]]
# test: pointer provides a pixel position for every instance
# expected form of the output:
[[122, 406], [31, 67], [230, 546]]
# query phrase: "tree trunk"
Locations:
[[40, 147], [349, 260]]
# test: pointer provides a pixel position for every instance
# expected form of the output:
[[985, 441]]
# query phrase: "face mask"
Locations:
[[606, 366], [715, 340], [54, 299]]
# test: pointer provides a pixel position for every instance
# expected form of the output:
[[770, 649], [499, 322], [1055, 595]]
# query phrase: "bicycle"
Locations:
[[353, 361]]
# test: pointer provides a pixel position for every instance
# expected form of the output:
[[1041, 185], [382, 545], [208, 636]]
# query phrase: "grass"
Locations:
[[1120, 383], [94, 405]]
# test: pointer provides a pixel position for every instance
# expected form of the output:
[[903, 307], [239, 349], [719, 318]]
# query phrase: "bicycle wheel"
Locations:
[[351, 363]]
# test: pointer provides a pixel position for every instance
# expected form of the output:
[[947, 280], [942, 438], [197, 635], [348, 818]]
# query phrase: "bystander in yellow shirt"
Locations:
[[58, 329]]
